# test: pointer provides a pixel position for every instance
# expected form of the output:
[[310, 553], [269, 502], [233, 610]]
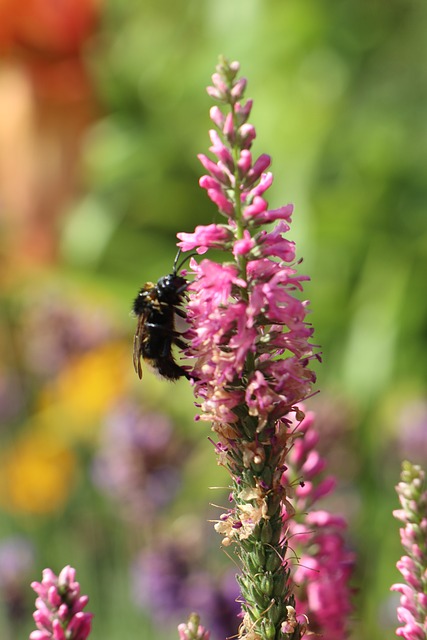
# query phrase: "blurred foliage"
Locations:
[[340, 94]]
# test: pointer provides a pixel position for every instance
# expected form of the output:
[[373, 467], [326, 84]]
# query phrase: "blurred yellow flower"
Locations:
[[85, 390], [36, 474]]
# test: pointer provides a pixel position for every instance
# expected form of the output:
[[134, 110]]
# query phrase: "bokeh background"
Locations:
[[102, 113]]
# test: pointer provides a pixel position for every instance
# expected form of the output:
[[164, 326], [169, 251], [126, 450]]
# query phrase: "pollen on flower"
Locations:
[[250, 516], [253, 453], [226, 526]]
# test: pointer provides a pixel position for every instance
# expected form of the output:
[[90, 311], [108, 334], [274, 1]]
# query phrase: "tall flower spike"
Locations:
[[412, 612], [59, 611], [250, 340]]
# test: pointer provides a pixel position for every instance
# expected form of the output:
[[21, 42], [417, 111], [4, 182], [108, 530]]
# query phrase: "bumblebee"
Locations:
[[155, 308]]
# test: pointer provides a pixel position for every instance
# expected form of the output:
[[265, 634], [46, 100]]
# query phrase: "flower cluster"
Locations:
[[250, 339], [412, 612], [59, 611], [250, 336], [324, 564]]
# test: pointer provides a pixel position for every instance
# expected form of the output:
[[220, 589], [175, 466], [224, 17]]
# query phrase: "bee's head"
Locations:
[[170, 287]]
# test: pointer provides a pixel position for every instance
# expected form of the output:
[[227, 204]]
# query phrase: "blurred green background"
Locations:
[[103, 110]]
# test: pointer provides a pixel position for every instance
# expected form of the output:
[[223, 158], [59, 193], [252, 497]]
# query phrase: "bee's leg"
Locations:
[[180, 312], [181, 344], [166, 347], [137, 355], [170, 370]]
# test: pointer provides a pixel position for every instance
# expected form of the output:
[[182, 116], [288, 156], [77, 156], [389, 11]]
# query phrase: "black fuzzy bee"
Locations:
[[155, 307]]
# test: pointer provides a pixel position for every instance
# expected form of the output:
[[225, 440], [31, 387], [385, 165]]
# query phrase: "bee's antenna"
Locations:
[[176, 267], [175, 262]]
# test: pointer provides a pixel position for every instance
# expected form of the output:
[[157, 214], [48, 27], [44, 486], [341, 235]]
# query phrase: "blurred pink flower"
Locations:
[[193, 630], [324, 565]]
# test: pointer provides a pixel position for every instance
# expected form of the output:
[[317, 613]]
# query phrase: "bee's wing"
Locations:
[[137, 344]]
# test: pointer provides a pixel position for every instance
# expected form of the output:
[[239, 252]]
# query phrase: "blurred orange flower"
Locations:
[[36, 474], [86, 389], [48, 100], [57, 28]]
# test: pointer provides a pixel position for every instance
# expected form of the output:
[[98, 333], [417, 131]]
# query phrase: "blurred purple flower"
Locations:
[[11, 397], [139, 461], [61, 329], [170, 581], [412, 431], [16, 562]]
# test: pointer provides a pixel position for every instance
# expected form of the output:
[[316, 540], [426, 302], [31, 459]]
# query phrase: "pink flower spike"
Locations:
[[59, 614], [325, 564], [250, 343], [412, 612]]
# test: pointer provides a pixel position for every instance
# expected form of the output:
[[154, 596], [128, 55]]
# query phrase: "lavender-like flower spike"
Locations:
[[59, 611], [250, 339], [412, 612]]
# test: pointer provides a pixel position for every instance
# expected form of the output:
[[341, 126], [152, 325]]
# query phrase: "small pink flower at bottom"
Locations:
[[59, 611], [193, 630]]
